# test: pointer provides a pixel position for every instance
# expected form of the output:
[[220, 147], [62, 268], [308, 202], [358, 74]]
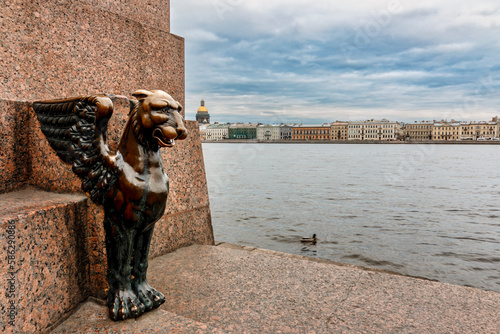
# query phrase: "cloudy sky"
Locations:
[[319, 61]]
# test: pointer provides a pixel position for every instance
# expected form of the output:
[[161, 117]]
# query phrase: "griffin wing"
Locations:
[[76, 129]]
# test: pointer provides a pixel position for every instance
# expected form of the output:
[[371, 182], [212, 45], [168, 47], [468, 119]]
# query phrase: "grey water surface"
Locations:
[[423, 210]]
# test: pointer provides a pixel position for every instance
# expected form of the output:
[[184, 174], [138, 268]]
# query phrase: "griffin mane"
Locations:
[[139, 130]]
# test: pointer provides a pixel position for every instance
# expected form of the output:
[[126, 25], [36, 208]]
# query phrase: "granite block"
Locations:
[[182, 229], [44, 267], [185, 168], [14, 140], [63, 48], [153, 13]]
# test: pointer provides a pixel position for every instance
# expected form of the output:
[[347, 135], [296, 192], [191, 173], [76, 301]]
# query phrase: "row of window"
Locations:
[[418, 126], [371, 136], [311, 132], [371, 126]]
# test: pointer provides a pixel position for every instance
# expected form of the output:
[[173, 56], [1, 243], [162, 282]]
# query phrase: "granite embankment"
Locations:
[[236, 289]]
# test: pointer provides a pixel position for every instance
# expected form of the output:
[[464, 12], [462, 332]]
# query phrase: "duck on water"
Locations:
[[308, 239]]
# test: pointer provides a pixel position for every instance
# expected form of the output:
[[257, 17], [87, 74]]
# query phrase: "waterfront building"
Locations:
[[311, 132], [242, 131], [202, 116], [286, 131], [476, 130], [373, 130], [419, 131], [339, 130], [268, 132], [447, 130], [216, 132]]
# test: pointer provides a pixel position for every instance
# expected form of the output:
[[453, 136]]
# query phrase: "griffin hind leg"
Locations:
[[150, 297], [122, 300]]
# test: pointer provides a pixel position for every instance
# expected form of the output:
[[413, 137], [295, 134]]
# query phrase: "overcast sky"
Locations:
[[319, 61]]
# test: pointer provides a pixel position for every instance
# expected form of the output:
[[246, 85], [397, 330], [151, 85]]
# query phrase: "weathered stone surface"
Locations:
[[63, 48], [14, 143], [44, 257]]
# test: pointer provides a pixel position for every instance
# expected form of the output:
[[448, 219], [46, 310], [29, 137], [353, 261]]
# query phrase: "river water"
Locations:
[[423, 210]]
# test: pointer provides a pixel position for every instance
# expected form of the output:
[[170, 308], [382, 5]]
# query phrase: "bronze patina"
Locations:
[[130, 183]]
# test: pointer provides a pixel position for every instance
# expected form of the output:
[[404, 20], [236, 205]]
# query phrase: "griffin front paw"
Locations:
[[124, 304], [151, 298]]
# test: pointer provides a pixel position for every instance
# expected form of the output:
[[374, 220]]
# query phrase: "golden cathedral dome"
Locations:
[[202, 109], [202, 115]]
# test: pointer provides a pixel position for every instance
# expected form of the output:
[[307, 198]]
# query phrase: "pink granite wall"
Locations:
[[57, 48], [63, 48]]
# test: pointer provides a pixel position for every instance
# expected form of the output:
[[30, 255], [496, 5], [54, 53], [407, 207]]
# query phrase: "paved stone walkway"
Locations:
[[235, 289]]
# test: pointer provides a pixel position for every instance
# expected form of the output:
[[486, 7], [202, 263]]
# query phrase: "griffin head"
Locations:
[[157, 120]]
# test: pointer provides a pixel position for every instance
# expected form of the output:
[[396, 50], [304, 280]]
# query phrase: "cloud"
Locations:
[[200, 35], [327, 60]]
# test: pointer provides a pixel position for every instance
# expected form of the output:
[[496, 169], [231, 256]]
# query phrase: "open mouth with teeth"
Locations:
[[163, 141]]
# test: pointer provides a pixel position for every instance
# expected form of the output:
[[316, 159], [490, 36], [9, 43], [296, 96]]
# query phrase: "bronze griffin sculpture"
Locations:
[[130, 183]]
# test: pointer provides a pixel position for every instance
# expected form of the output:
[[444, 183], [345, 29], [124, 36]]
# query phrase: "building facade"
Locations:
[[268, 132], [311, 132], [480, 130], [286, 131], [216, 132], [339, 131], [242, 131], [419, 131], [446, 131], [373, 130]]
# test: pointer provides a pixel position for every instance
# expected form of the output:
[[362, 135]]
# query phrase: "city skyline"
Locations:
[[297, 61], [203, 116]]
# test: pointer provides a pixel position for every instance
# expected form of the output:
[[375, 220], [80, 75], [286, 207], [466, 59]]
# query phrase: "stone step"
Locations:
[[45, 267], [92, 317]]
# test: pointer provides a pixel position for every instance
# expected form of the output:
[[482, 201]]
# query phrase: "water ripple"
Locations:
[[440, 220]]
